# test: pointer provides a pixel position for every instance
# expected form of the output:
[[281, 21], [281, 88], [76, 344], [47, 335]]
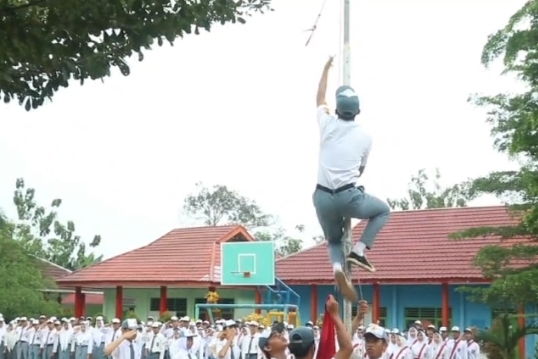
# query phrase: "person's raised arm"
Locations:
[[129, 335], [345, 347], [359, 318], [322, 87]]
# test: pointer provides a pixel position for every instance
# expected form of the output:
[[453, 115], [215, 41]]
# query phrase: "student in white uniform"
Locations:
[[403, 351], [456, 347], [473, 349], [124, 347], [190, 350], [437, 347], [226, 346], [21, 346], [48, 339], [34, 336], [344, 149], [249, 341], [156, 347]]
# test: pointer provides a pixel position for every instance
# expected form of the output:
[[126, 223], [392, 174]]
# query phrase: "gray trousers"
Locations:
[[47, 351], [34, 351], [81, 352], [21, 350], [332, 209], [65, 353]]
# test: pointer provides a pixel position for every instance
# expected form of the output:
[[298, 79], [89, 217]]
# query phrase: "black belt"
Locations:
[[335, 191]]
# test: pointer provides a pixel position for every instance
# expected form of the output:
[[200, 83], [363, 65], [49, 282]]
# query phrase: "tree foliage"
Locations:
[[284, 244], [46, 43], [219, 205], [43, 235], [502, 339], [22, 283], [426, 192], [514, 127]]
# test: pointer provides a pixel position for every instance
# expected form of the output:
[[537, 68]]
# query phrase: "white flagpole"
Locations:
[[346, 73]]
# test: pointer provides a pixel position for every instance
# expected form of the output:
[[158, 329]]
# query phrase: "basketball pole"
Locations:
[[346, 74]]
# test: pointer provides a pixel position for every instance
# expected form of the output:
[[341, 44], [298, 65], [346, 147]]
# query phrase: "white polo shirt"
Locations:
[[344, 148]]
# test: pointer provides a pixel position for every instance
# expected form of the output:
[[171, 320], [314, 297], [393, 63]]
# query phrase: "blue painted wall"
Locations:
[[395, 298]]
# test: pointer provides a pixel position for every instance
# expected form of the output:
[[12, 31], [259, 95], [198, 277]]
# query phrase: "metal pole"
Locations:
[[346, 74]]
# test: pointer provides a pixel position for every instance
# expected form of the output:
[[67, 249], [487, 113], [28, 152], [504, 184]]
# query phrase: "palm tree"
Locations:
[[501, 341]]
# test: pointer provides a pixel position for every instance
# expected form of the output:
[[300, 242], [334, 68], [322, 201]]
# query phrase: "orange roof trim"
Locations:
[[181, 255], [413, 247]]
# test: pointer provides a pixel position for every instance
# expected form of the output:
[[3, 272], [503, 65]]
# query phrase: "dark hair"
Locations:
[[346, 117], [300, 351]]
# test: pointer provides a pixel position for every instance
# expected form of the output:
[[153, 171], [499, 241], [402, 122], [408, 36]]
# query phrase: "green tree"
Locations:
[[426, 192], [219, 205], [41, 233], [514, 127], [502, 339], [284, 244], [46, 43], [23, 284]]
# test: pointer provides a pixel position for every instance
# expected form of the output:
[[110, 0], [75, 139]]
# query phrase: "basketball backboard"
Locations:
[[247, 263]]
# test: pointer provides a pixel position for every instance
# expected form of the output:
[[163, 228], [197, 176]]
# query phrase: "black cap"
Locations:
[[300, 340]]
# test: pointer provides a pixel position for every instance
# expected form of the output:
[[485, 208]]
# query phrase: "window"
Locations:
[[225, 313], [178, 306], [426, 315], [382, 314]]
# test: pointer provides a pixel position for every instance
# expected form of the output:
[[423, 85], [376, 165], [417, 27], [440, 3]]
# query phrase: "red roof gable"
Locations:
[[182, 256], [412, 247], [52, 270]]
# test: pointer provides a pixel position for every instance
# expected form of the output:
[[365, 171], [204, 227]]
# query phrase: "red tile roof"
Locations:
[[412, 247], [91, 299], [182, 256], [52, 270]]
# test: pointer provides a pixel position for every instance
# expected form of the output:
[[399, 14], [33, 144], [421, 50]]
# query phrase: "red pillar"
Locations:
[[314, 303], [522, 323], [163, 307], [83, 305], [258, 300], [376, 303], [119, 302], [445, 305], [78, 302]]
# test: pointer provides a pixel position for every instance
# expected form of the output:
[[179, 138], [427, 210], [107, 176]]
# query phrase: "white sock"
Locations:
[[337, 267], [359, 248]]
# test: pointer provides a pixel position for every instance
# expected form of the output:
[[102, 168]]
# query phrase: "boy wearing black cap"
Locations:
[[302, 342], [344, 150]]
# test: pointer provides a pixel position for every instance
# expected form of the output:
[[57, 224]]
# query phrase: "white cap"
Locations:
[[199, 321], [185, 319], [57, 322], [455, 329], [469, 330], [155, 325], [35, 322], [230, 323], [173, 318], [23, 319], [418, 322], [376, 331], [116, 321], [442, 329], [431, 326]]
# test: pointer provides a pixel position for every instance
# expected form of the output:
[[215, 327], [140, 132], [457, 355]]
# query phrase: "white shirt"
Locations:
[[228, 355], [344, 148], [473, 350], [249, 344], [123, 351]]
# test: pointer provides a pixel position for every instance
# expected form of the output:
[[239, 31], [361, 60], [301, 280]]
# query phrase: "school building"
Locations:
[[419, 270]]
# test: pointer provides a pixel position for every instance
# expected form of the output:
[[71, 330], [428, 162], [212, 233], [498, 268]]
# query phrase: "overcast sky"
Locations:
[[237, 107]]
